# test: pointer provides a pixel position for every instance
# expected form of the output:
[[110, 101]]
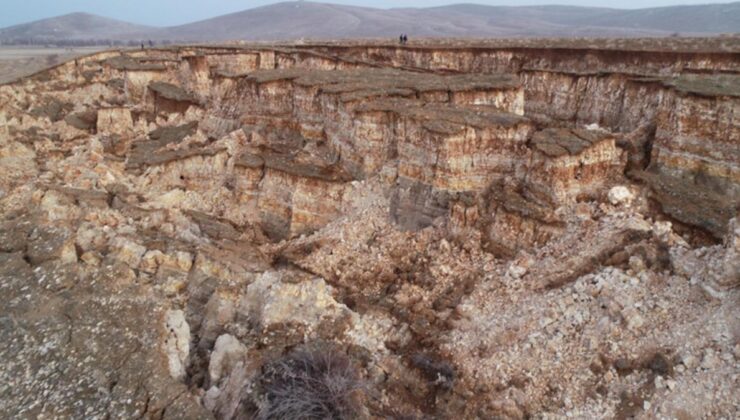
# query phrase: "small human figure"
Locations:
[[405, 39], [400, 39], [142, 46]]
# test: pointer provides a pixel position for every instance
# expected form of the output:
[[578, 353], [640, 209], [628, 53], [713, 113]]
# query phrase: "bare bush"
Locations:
[[316, 382]]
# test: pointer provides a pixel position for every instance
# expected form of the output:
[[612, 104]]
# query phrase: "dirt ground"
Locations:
[[16, 62]]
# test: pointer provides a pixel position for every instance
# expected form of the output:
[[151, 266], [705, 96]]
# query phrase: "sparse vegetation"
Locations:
[[312, 382], [438, 372]]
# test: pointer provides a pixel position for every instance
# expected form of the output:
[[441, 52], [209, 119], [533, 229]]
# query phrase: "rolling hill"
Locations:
[[294, 20], [74, 26]]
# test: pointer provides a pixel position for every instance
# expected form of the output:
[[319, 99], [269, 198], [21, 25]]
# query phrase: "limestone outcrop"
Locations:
[[478, 230]]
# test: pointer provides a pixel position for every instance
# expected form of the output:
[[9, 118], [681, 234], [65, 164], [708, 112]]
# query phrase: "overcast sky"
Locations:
[[175, 12]]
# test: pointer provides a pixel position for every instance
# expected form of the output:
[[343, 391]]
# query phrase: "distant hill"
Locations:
[[293, 20], [74, 26], [716, 18]]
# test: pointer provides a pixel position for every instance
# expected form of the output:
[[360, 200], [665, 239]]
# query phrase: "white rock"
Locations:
[[225, 399], [69, 253], [731, 264], [210, 400], [90, 258], [517, 271], [227, 351], [662, 228], [90, 238], [636, 264], [177, 343], [371, 332], [633, 319], [710, 360], [689, 361], [670, 384], [620, 195], [171, 199], [57, 206], [270, 301], [17, 160], [219, 311], [151, 260], [711, 292], [184, 260], [127, 251]]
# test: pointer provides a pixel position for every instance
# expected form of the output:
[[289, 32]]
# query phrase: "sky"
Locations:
[[176, 12]]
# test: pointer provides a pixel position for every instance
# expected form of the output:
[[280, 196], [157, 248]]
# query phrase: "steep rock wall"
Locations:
[[338, 95]]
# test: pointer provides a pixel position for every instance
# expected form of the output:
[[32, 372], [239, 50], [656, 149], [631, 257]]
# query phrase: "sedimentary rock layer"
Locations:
[[474, 230]]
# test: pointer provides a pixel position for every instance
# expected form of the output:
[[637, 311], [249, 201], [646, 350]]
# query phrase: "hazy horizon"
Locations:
[[177, 12]]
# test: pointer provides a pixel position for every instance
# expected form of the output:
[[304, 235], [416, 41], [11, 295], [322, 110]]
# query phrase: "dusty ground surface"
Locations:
[[728, 43], [17, 62], [461, 233]]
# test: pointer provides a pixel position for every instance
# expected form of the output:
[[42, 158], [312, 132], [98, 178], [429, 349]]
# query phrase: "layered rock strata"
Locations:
[[490, 230]]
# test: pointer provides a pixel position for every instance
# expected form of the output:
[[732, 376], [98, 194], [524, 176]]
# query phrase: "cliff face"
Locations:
[[455, 217], [339, 94]]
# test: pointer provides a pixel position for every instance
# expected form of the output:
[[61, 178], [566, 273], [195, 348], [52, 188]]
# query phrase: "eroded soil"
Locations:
[[484, 231]]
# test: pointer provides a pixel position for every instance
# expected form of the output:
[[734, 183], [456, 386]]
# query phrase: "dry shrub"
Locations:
[[313, 382]]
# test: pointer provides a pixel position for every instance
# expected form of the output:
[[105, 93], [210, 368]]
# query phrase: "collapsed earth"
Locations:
[[440, 229]]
